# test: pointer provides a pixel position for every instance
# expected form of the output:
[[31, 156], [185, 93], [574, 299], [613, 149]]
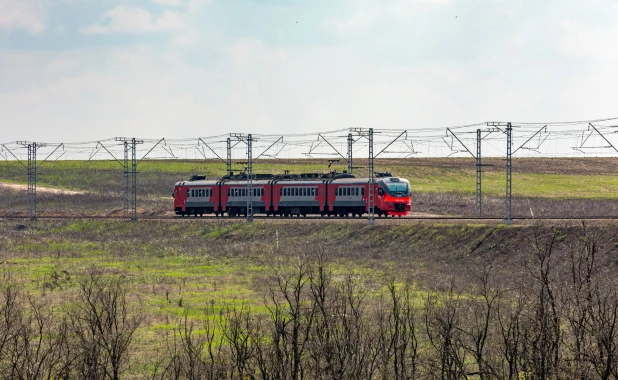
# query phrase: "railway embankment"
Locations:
[[426, 251]]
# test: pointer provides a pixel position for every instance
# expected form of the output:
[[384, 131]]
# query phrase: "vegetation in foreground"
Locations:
[[344, 302]]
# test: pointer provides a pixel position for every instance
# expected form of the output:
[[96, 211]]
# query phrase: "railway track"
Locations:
[[260, 218]]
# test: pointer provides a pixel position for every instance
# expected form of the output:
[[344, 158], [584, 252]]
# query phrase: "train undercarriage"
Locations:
[[342, 212]]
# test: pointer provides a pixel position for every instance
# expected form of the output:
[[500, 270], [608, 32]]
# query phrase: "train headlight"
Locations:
[[389, 203]]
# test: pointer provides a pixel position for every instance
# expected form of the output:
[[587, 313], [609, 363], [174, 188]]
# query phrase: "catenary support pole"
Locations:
[[479, 172], [229, 157], [350, 143], [133, 180], [371, 219], [32, 147], [126, 179], [508, 217], [249, 178]]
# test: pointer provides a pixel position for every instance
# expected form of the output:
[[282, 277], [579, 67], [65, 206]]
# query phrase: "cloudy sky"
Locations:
[[74, 70]]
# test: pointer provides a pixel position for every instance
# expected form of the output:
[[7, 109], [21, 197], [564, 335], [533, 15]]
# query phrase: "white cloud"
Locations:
[[125, 19], [591, 41], [22, 14], [369, 13], [173, 3]]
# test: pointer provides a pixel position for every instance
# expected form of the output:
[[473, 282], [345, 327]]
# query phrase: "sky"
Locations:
[[81, 70]]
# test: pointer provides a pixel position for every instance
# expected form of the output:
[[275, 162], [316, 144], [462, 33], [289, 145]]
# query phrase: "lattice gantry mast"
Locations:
[[371, 218], [508, 216], [247, 139], [249, 179], [229, 157], [350, 143], [32, 147], [479, 176], [126, 178]]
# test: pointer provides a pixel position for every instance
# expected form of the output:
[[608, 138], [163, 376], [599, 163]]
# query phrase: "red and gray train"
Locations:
[[293, 195]]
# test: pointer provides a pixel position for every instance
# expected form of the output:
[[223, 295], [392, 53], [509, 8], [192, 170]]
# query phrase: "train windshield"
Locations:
[[397, 187]]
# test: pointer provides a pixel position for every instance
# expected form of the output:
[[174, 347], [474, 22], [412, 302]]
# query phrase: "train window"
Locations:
[[362, 191], [304, 192]]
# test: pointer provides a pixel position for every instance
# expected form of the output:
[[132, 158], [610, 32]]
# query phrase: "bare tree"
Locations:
[[102, 326], [442, 322]]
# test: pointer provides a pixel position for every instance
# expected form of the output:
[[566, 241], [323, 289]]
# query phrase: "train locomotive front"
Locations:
[[393, 197]]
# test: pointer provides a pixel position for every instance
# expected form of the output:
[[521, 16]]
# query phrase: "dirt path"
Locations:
[[41, 189]]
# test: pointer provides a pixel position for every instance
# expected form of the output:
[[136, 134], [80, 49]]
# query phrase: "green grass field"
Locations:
[[157, 177]]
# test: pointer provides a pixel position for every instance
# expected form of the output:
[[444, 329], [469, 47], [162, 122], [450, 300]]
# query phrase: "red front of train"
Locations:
[[325, 195]]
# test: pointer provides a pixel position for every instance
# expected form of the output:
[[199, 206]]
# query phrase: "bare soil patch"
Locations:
[[41, 189]]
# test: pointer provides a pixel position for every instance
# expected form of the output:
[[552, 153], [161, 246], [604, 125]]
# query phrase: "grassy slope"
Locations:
[[173, 267], [157, 177]]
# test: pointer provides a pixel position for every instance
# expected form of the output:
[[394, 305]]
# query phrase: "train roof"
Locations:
[[244, 183], [204, 182], [346, 180]]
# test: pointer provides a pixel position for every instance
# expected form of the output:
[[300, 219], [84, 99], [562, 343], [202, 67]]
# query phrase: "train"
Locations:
[[332, 194]]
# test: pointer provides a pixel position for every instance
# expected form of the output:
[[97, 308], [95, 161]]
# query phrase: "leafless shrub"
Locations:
[[33, 345], [442, 320], [102, 327]]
